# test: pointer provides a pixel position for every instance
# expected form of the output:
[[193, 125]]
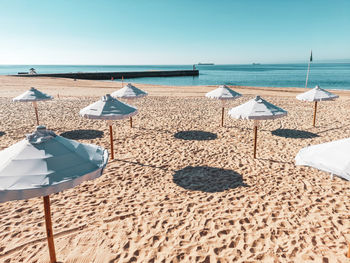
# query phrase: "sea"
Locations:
[[326, 75]]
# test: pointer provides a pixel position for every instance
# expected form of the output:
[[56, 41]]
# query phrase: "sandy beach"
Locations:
[[182, 188]]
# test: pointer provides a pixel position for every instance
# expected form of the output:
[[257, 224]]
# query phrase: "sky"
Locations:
[[164, 32]]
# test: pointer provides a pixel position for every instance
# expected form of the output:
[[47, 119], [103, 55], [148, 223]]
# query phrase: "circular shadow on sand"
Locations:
[[207, 179], [82, 134], [295, 134], [2, 133], [195, 135]]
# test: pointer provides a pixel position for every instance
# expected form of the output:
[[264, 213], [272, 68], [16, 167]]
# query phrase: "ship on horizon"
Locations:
[[205, 63]]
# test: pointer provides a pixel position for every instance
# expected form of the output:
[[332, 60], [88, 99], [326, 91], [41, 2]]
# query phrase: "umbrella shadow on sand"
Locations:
[[195, 135], [2, 133], [207, 179], [82, 134], [295, 134]]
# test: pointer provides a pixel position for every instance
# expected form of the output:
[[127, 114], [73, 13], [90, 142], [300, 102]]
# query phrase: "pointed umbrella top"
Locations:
[[331, 157], [316, 94], [108, 108], [257, 109], [223, 93], [129, 92], [45, 163], [33, 95]]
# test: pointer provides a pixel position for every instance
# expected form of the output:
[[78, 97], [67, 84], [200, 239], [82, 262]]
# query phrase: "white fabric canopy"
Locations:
[[316, 94], [44, 163], [332, 157], [108, 108], [223, 93], [33, 95], [129, 92], [257, 109]]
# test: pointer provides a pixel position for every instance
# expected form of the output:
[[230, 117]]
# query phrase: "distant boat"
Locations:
[[205, 64], [256, 64]]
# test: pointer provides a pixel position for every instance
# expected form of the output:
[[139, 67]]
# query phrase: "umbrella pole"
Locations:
[[49, 232], [348, 255], [222, 117], [255, 136], [130, 122], [35, 105], [315, 109], [111, 137]]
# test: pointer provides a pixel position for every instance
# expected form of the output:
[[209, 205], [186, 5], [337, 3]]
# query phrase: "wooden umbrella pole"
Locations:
[[255, 136], [315, 110], [111, 137], [130, 122], [36, 112], [222, 117], [49, 232]]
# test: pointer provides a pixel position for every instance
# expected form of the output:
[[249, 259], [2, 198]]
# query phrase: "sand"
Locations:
[[182, 188]]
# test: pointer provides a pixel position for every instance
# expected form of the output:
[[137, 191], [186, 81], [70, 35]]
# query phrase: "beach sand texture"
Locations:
[[182, 188]]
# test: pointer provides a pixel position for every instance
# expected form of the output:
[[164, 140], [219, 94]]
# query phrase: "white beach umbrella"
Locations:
[[108, 108], [33, 95], [223, 93], [314, 95], [331, 157], [129, 92], [45, 163], [257, 109]]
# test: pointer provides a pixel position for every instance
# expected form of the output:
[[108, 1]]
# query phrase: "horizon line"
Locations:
[[340, 61]]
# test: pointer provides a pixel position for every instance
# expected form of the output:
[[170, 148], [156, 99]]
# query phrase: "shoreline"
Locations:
[[17, 84]]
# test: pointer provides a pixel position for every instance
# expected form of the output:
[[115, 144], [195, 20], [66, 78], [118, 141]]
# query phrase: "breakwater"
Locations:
[[115, 75]]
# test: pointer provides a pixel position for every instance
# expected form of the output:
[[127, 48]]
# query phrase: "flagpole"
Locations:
[[308, 70], [307, 75]]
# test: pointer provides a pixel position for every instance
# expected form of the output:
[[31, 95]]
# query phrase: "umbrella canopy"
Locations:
[[331, 157], [33, 95], [316, 94], [129, 92], [108, 108], [45, 163], [257, 109], [223, 93]]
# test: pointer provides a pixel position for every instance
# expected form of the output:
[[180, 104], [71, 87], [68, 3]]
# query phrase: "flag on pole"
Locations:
[[311, 56]]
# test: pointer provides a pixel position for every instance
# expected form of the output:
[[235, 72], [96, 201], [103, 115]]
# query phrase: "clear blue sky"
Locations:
[[172, 32]]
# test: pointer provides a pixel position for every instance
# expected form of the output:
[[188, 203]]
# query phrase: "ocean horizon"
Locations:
[[326, 75]]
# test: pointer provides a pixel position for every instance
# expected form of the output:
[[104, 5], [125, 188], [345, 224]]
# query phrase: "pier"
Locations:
[[114, 75]]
